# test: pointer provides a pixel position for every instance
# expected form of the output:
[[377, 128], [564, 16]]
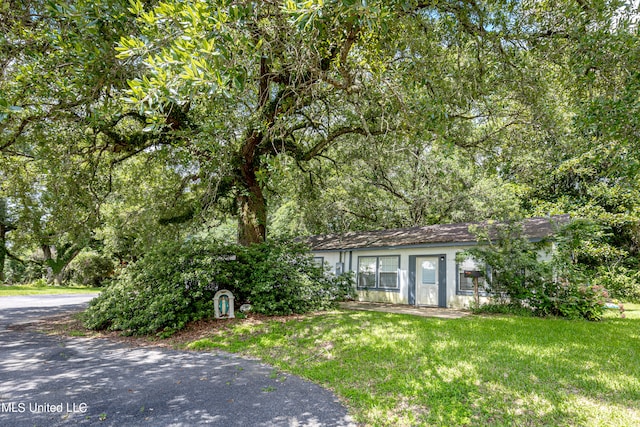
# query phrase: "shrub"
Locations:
[[516, 276], [176, 283], [622, 283], [282, 279], [90, 269], [169, 287], [24, 272], [520, 280], [570, 300]]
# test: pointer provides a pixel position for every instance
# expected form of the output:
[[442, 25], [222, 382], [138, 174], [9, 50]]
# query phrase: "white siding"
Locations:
[[400, 296]]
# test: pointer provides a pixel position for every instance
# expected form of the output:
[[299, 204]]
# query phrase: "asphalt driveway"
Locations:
[[53, 381]]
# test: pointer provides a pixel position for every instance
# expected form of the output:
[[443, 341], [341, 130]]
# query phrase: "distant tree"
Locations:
[[64, 132], [5, 228], [573, 146], [404, 185]]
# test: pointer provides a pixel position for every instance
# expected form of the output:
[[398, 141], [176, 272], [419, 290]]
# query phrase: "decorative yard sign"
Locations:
[[223, 304]]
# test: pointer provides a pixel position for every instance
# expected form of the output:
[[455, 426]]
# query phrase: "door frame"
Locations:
[[442, 278]]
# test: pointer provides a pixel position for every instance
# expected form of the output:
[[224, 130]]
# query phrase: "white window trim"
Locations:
[[377, 286]]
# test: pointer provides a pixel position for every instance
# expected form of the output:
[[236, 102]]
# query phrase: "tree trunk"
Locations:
[[58, 277], [4, 229], [3, 250], [56, 267], [252, 217], [46, 252], [252, 205]]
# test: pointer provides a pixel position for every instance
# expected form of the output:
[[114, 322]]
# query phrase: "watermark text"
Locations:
[[44, 407]]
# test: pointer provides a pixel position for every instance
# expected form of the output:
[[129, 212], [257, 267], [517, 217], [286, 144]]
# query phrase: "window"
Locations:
[[466, 270], [318, 261], [378, 272], [367, 268], [428, 273]]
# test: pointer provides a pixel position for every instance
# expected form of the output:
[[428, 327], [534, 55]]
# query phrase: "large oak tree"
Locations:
[[256, 82]]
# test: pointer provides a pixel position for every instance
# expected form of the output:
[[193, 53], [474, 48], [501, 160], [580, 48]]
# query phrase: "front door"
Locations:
[[427, 281]]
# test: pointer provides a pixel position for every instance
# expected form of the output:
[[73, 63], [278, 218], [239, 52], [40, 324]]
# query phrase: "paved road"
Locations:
[[53, 381]]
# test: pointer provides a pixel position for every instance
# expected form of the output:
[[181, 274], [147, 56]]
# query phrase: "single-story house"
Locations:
[[417, 265]]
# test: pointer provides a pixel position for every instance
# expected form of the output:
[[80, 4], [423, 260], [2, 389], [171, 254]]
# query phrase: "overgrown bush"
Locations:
[[515, 275], [570, 300], [176, 284], [519, 279], [24, 272], [622, 283], [282, 279], [90, 269]]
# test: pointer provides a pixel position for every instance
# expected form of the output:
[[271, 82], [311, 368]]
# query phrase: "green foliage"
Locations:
[[169, 287], [515, 272], [570, 300], [176, 283], [90, 269], [24, 272], [39, 283], [621, 282], [147, 190], [519, 279], [413, 184], [282, 279]]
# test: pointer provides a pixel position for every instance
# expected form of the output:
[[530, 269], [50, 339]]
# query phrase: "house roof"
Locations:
[[533, 228]]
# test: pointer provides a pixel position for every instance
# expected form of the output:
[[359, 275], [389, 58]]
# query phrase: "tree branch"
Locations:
[[14, 257], [18, 132], [337, 133]]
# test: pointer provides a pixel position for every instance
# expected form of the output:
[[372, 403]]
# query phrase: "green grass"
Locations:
[[401, 370], [44, 290]]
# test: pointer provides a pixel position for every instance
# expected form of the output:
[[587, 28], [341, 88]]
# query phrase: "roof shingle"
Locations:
[[533, 228]]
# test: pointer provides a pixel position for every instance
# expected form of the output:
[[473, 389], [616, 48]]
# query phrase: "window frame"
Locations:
[[377, 282], [318, 261], [482, 282]]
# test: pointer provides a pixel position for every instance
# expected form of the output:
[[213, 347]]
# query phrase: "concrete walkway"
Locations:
[[442, 313]]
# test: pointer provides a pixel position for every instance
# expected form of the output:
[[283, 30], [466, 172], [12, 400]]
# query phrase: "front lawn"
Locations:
[[45, 290], [401, 370]]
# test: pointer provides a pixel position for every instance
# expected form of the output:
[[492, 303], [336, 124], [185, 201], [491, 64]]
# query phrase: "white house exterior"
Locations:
[[415, 266]]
